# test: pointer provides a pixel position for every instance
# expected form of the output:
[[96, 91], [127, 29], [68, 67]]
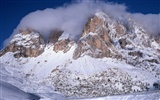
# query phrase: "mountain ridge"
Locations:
[[109, 58]]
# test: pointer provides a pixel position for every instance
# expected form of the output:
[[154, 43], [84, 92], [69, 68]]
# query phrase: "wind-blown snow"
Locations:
[[72, 18]]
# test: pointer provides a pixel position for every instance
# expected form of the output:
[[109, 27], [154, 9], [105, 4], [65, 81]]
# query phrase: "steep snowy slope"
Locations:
[[110, 58]]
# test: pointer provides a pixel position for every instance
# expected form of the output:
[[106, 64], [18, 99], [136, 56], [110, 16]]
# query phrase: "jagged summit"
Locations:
[[109, 58], [27, 43]]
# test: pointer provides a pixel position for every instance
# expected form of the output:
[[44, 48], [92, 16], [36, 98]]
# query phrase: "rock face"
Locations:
[[92, 46], [63, 45], [28, 43], [55, 34], [95, 40], [59, 43]]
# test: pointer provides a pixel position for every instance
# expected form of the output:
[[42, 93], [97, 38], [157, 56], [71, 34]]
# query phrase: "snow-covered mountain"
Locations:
[[111, 57]]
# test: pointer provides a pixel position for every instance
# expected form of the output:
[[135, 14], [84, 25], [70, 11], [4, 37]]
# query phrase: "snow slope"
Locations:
[[10, 92]]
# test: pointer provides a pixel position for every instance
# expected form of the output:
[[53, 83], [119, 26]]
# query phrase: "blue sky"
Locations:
[[12, 11]]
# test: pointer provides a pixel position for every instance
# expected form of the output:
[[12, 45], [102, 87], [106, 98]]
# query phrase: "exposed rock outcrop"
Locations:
[[92, 46], [123, 43], [28, 43], [55, 34], [92, 24], [59, 43], [95, 40], [63, 45]]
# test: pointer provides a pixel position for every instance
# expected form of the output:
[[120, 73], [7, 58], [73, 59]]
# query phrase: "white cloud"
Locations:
[[150, 22], [72, 18]]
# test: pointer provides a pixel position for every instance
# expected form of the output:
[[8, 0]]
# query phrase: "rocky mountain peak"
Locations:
[[95, 40], [27, 43], [106, 37]]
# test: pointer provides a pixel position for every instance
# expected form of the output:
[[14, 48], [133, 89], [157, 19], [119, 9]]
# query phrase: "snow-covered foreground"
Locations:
[[86, 76], [137, 96], [10, 92]]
